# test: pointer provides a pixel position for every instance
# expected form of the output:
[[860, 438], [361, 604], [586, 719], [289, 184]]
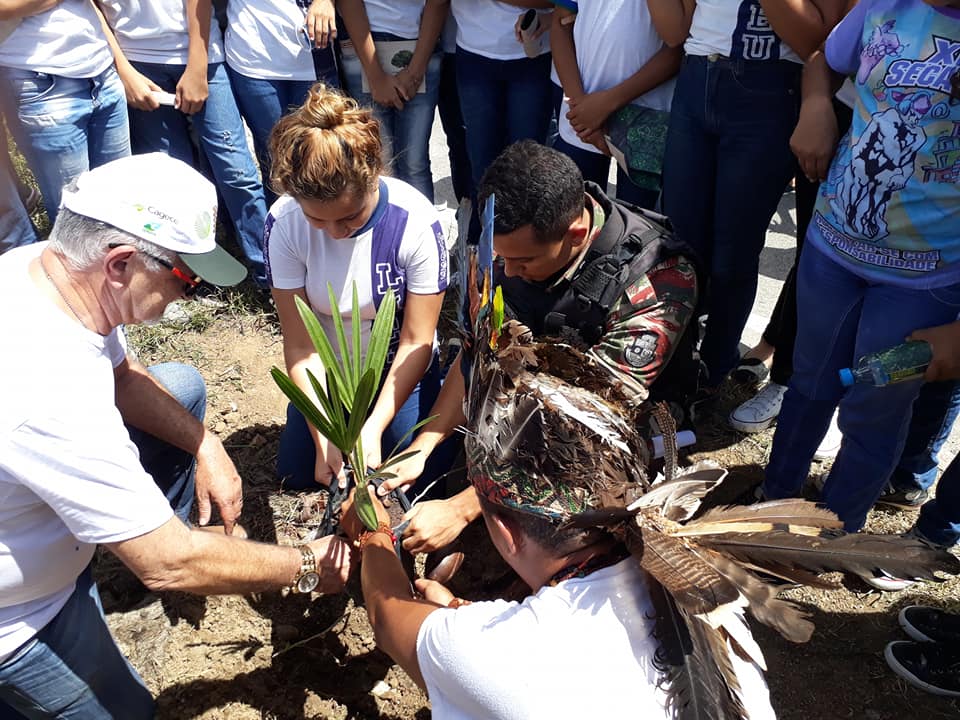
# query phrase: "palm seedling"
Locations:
[[347, 391]]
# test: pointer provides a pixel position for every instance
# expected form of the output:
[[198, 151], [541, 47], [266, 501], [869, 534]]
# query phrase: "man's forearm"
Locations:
[[396, 616], [448, 410], [173, 557], [146, 405], [199, 14]]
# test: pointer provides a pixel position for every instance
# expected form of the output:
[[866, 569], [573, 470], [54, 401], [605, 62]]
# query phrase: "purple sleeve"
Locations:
[[845, 43]]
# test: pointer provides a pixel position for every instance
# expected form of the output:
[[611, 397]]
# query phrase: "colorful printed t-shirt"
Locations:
[[890, 207], [401, 248]]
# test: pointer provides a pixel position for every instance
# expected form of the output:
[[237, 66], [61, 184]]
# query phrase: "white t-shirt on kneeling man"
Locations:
[[581, 649], [70, 477]]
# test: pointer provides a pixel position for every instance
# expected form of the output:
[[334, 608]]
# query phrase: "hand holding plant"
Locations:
[[347, 395]]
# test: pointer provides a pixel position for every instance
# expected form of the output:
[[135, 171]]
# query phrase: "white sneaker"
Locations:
[[888, 583], [830, 445], [759, 412]]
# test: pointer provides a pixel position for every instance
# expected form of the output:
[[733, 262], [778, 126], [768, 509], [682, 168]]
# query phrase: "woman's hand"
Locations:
[[945, 344], [329, 466], [192, 90], [139, 89], [370, 440], [386, 90], [589, 112], [814, 140]]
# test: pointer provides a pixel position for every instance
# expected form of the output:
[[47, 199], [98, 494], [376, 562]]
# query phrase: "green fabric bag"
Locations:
[[637, 139]]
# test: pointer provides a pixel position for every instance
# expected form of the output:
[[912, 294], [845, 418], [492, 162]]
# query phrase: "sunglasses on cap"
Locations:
[[190, 284]]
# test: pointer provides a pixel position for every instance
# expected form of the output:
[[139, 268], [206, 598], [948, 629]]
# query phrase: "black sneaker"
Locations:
[[934, 667], [750, 372], [928, 624], [908, 500]]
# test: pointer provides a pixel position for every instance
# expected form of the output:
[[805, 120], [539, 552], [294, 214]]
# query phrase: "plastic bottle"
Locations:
[[897, 364]]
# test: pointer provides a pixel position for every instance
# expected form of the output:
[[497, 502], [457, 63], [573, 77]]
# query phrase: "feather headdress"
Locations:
[[552, 431]]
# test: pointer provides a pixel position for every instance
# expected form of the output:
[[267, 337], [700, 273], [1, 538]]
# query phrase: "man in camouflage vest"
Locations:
[[574, 264]]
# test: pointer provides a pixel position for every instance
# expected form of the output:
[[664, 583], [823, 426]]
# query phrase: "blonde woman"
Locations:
[[340, 221]]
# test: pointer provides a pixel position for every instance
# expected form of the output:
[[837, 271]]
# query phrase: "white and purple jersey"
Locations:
[[401, 248], [735, 29], [889, 209]]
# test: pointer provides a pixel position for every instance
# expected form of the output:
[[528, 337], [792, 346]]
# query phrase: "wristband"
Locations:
[[364, 537]]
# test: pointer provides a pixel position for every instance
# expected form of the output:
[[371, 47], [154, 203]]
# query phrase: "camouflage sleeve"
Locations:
[[644, 326]]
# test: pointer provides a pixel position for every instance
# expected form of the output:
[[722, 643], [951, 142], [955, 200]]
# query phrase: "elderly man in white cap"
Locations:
[[91, 441]]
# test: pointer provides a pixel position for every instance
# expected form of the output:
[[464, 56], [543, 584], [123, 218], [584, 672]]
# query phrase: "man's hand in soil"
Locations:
[[437, 523], [945, 343], [333, 563], [218, 483]]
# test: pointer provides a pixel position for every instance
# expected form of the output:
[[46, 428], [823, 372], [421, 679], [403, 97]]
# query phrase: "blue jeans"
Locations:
[[405, 134], [727, 163], [840, 318], [502, 101], [224, 143], [596, 168], [297, 455], [261, 103], [172, 469], [73, 668], [64, 126], [933, 415], [448, 106], [939, 519], [16, 228]]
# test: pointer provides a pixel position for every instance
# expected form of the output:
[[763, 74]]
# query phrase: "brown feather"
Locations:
[[791, 511], [695, 585], [854, 553], [784, 617]]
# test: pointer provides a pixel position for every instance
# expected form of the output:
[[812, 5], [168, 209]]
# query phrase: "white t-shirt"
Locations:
[[266, 39], [614, 39], [70, 477], [155, 31], [485, 27], [401, 248], [582, 649], [67, 41], [737, 30], [397, 17]]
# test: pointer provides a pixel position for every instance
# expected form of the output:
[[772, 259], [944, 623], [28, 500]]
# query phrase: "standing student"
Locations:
[[177, 47], [609, 54], [61, 96], [728, 158], [275, 50], [391, 62]]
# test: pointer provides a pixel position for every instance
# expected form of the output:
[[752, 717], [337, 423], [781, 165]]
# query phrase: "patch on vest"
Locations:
[[641, 351]]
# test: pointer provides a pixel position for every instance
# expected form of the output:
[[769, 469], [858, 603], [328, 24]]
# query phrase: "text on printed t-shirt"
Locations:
[[932, 72], [915, 260]]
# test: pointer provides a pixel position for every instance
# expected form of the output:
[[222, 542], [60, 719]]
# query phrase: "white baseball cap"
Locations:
[[163, 201]]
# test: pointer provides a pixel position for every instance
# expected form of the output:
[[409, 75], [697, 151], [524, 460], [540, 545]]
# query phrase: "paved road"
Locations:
[[775, 262]]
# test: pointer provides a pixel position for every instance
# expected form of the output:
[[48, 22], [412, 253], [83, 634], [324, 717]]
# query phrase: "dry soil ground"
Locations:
[[270, 656]]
